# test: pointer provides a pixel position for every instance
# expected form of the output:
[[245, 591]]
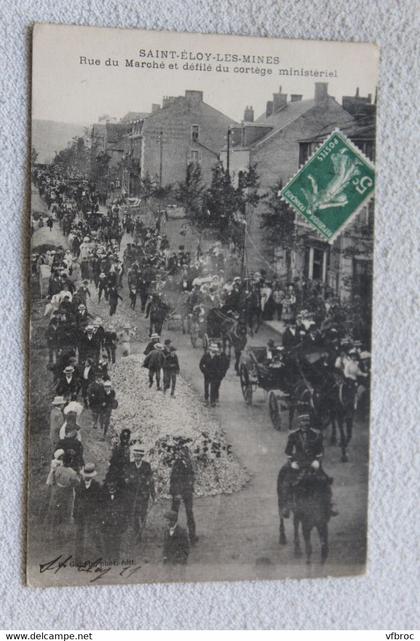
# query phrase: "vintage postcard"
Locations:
[[202, 213]]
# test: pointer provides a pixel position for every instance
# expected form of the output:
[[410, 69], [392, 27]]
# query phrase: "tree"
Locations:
[[190, 192], [219, 201], [74, 158], [148, 187], [225, 206], [151, 190], [278, 223], [34, 155]]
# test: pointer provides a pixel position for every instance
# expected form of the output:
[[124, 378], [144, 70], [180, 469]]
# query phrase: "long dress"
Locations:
[[289, 308], [62, 481]]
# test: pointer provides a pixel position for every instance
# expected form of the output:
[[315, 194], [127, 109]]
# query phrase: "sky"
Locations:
[[66, 90]]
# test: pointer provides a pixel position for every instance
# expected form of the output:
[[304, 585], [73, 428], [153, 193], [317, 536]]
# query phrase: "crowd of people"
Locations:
[[82, 350]]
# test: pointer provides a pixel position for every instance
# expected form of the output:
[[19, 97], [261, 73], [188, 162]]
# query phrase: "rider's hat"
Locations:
[[304, 418]]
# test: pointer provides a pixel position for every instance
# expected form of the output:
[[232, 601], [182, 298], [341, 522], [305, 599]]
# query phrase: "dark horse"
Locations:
[[234, 335], [311, 509], [341, 398]]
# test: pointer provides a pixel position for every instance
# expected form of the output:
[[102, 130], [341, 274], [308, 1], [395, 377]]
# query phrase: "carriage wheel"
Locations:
[[274, 409], [246, 385]]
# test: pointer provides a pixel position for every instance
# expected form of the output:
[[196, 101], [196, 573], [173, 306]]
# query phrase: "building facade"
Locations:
[[184, 129], [279, 142]]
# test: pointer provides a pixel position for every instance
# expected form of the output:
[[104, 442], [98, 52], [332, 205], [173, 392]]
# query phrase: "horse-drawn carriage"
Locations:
[[205, 327], [289, 379]]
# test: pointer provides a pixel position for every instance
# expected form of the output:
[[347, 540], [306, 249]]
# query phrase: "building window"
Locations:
[[316, 263], [194, 158], [306, 150], [362, 278], [303, 152], [370, 216], [195, 133]]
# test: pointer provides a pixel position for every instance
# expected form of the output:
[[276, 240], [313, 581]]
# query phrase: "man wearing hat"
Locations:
[[291, 336], [95, 396], [120, 457], [113, 297], [304, 451], [269, 351], [85, 514], [51, 335], [69, 384], [352, 370], [176, 546], [87, 377], [71, 444], [141, 488], [112, 518], [156, 311], [109, 403], [89, 346], [170, 370], [181, 486], [154, 362], [152, 342], [213, 370], [102, 286], [110, 340]]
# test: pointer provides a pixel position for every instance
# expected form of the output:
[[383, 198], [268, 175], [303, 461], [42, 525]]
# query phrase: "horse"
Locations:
[[253, 312], [343, 408], [311, 509], [234, 335]]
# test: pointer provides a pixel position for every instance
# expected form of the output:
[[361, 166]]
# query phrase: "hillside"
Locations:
[[49, 136]]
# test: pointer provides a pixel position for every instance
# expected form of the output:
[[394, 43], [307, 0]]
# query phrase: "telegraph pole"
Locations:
[[243, 250], [160, 157]]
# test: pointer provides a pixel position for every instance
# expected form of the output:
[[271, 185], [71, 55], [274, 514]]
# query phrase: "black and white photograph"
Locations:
[[200, 354]]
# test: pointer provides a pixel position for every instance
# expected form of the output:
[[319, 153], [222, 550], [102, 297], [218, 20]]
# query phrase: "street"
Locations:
[[238, 533]]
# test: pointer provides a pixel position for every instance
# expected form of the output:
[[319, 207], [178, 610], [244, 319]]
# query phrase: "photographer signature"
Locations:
[[96, 568]]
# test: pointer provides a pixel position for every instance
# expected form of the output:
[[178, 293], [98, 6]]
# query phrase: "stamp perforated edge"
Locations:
[[367, 199]]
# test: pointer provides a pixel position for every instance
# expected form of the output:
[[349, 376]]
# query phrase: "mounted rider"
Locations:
[[304, 451]]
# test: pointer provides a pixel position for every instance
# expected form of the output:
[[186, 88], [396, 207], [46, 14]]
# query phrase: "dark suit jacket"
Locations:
[[176, 548], [67, 444], [112, 512], [140, 481], [290, 340], [304, 448], [86, 502], [213, 367], [182, 477], [68, 389]]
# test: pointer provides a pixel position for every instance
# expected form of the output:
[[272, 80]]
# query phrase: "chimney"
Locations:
[[321, 92], [269, 108], [295, 97], [369, 98], [193, 97], [249, 114], [155, 108], [167, 100], [357, 92], [279, 101]]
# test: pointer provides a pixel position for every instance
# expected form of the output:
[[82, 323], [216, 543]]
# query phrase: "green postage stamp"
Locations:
[[334, 184]]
